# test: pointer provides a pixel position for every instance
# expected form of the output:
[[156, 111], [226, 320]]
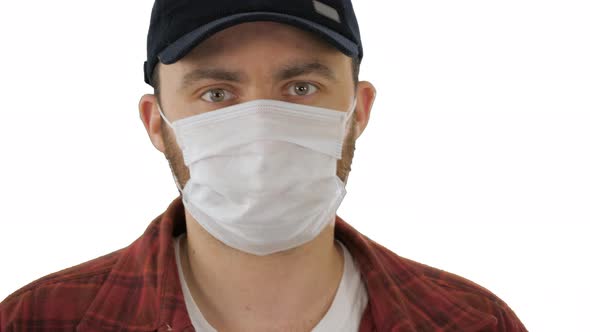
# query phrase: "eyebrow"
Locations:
[[303, 68], [284, 73], [210, 73]]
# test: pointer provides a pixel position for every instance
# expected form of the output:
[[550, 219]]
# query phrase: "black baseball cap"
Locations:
[[177, 26]]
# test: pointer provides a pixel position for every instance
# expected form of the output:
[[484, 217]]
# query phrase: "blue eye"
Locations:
[[216, 95], [302, 89]]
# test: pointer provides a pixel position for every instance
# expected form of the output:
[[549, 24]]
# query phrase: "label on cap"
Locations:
[[327, 11]]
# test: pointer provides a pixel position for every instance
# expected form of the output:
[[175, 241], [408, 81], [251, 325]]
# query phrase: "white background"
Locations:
[[475, 160]]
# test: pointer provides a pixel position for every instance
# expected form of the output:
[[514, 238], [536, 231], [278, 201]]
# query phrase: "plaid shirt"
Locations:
[[137, 288]]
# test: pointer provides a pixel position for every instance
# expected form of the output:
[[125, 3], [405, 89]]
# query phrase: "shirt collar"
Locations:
[[143, 293], [398, 288]]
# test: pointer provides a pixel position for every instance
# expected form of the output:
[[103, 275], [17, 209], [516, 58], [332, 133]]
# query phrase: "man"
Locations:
[[257, 107]]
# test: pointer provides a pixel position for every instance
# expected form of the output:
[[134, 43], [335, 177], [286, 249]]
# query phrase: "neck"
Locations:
[[289, 290]]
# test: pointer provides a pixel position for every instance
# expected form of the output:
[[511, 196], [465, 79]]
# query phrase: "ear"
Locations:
[[365, 95], [150, 116]]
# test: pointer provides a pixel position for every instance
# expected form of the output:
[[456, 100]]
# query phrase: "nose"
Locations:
[[262, 89]]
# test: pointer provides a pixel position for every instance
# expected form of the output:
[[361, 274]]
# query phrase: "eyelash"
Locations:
[[314, 86], [214, 89], [308, 83]]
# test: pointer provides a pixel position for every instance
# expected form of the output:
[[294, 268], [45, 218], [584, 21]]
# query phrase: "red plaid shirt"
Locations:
[[137, 288]]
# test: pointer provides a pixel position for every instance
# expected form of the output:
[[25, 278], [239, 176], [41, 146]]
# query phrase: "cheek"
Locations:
[[172, 150]]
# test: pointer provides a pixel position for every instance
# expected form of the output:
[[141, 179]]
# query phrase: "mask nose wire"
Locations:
[[346, 119]]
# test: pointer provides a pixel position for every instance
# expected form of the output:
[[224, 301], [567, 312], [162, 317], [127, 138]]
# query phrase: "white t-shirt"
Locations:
[[344, 315]]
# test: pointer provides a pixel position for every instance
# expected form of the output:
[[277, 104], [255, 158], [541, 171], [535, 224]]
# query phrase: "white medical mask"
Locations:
[[263, 173]]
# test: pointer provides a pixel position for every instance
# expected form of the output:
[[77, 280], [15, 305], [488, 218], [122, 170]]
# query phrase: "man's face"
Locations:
[[256, 60]]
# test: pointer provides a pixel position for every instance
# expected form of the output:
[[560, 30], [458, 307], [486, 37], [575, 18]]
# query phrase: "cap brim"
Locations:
[[186, 43]]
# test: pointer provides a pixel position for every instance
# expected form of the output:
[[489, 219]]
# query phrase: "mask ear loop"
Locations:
[[349, 113], [164, 117], [344, 124], [178, 186]]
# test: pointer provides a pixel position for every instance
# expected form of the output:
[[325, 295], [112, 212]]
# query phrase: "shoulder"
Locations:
[[59, 299], [466, 291]]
